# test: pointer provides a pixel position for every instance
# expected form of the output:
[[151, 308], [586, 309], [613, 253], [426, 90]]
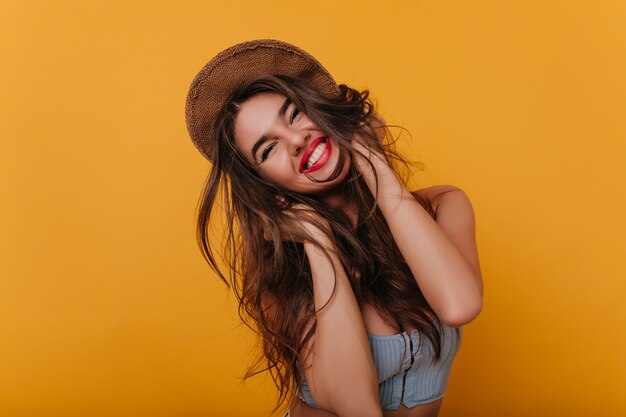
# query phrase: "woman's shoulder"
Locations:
[[433, 194]]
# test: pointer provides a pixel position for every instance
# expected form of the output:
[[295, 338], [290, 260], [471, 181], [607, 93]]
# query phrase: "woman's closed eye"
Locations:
[[266, 151], [294, 113]]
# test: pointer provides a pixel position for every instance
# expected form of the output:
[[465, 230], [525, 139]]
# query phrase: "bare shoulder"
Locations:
[[449, 198], [435, 190], [434, 193]]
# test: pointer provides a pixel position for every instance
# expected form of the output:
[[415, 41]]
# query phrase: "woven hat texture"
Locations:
[[235, 67]]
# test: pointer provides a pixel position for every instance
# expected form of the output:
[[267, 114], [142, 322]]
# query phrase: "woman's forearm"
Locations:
[[343, 374], [444, 276]]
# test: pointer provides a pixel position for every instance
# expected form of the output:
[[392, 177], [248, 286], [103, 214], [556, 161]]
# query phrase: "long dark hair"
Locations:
[[277, 269]]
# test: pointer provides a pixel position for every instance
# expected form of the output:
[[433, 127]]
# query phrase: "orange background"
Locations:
[[107, 307]]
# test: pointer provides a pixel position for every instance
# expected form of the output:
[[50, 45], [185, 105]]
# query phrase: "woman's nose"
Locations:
[[297, 142]]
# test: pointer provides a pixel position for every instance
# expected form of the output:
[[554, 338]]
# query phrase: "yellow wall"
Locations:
[[108, 309]]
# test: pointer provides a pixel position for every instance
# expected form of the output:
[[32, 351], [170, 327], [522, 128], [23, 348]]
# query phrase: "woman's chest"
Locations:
[[376, 326]]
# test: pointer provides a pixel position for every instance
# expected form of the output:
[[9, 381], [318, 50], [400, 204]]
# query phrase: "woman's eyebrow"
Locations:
[[262, 139]]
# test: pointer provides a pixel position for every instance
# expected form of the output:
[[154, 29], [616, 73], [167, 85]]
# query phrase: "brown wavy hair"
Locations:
[[277, 268]]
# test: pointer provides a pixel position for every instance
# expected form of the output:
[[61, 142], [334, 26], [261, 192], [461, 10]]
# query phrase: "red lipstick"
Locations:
[[321, 161]]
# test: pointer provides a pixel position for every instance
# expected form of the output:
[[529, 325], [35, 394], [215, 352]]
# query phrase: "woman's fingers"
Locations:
[[281, 201]]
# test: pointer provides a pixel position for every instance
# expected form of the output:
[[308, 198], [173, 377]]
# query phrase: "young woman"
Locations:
[[357, 287]]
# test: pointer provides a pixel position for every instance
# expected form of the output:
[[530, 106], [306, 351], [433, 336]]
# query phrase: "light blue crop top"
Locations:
[[405, 375]]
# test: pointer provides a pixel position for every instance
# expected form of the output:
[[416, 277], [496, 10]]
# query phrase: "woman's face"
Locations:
[[283, 144]]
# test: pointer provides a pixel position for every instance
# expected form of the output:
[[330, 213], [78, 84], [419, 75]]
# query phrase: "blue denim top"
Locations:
[[407, 375]]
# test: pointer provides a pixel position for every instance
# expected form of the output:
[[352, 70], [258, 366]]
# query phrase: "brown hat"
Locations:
[[236, 66]]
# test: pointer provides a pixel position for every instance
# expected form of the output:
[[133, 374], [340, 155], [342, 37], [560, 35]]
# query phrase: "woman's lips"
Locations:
[[308, 151], [321, 161]]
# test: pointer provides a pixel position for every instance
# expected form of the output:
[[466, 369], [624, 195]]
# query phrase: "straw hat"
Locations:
[[236, 66]]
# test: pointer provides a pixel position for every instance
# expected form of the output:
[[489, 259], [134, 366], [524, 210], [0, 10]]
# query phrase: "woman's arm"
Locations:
[[447, 272], [339, 367], [455, 216]]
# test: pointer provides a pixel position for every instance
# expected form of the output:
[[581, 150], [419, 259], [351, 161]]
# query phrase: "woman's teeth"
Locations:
[[315, 155]]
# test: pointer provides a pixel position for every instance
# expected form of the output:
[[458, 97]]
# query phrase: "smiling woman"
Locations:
[[357, 288], [290, 147]]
